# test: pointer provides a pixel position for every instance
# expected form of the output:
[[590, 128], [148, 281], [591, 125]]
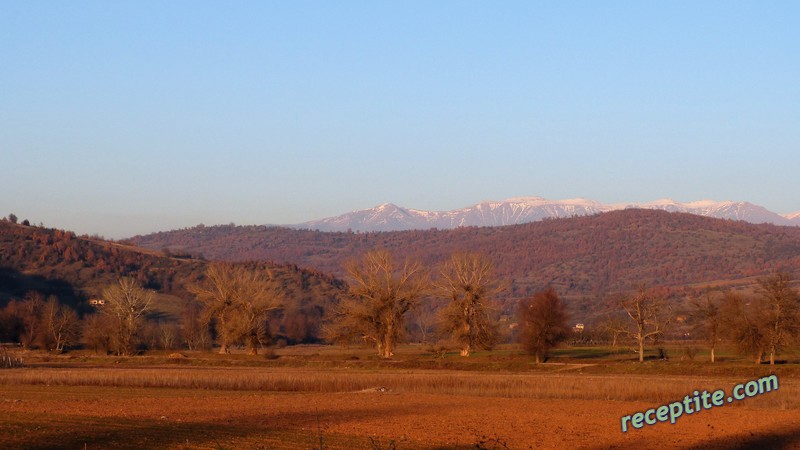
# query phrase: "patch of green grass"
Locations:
[[506, 358]]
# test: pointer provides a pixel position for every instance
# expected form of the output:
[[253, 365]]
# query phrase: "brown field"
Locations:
[[315, 401]]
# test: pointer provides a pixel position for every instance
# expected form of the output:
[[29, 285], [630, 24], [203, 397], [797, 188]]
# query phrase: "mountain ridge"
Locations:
[[519, 210], [583, 255]]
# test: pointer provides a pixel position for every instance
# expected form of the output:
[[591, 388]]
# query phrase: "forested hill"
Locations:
[[56, 262], [588, 255]]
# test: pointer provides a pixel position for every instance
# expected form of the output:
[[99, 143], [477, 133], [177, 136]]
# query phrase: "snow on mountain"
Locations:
[[385, 217], [517, 210], [722, 210], [794, 217]]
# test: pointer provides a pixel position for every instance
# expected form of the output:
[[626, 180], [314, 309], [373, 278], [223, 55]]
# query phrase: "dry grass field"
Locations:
[[332, 399]]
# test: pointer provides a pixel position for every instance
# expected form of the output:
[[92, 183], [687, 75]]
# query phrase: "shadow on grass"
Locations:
[[780, 439], [130, 435], [769, 440], [306, 429]]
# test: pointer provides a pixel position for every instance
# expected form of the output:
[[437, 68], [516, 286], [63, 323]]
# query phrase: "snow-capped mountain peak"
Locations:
[[516, 210]]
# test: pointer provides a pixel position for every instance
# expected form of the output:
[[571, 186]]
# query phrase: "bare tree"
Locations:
[[766, 323], [238, 300], [10, 322], [648, 316], [613, 326], [379, 297], [422, 322], [743, 324], [150, 335], [30, 314], [780, 305], [97, 330], [126, 303], [543, 323], [194, 330], [163, 334], [708, 319], [258, 299], [301, 323], [218, 295], [468, 284], [60, 324]]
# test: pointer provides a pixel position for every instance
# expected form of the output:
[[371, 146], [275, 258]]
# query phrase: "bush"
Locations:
[[8, 360]]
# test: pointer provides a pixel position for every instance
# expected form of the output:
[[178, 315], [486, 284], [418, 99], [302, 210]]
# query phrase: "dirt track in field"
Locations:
[[69, 417]]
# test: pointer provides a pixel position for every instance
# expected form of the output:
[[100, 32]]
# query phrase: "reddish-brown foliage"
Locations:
[[589, 255]]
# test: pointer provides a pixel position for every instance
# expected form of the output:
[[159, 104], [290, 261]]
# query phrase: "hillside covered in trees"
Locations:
[[74, 269], [580, 256], [588, 259]]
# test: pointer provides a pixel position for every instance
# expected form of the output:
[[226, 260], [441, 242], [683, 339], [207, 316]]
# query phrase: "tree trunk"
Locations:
[[387, 348], [252, 343], [129, 333], [423, 334], [641, 350], [223, 349], [467, 330], [385, 352], [387, 341], [772, 356], [384, 345], [59, 344], [759, 355], [712, 354]]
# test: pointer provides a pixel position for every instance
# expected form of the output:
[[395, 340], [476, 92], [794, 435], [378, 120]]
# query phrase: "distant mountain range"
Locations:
[[580, 256], [519, 210]]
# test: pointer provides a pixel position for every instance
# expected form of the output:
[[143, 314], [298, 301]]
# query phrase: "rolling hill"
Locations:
[[74, 269], [580, 256]]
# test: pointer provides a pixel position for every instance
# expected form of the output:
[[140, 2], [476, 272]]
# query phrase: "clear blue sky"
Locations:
[[125, 117]]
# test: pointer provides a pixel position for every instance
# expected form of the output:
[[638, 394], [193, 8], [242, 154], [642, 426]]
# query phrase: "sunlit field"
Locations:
[[332, 397]]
